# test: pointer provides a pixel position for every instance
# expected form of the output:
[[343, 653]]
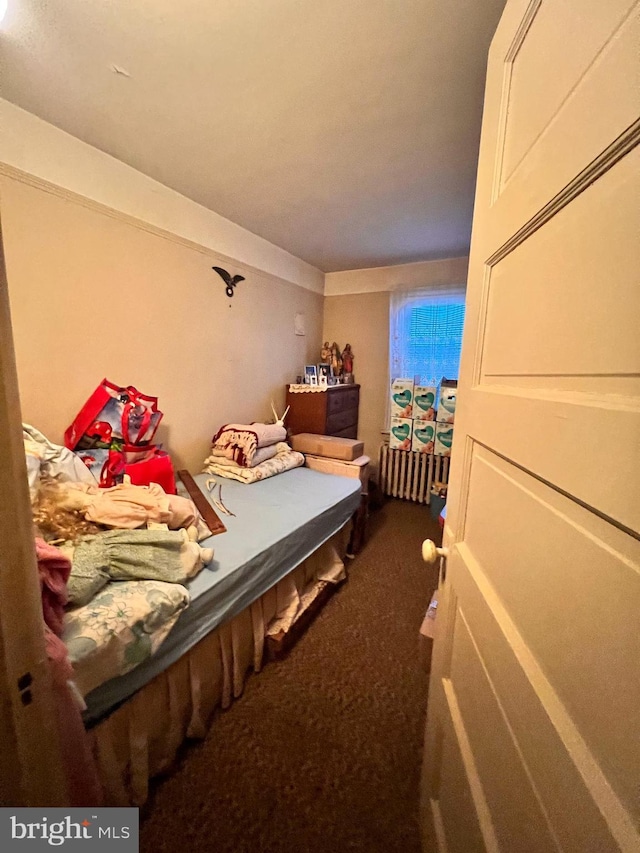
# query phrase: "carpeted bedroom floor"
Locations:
[[322, 752]]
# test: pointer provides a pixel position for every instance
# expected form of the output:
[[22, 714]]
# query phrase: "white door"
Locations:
[[533, 724]]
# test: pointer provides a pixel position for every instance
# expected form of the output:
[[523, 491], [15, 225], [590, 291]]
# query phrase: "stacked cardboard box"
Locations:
[[445, 417], [401, 427], [424, 415], [415, 424]]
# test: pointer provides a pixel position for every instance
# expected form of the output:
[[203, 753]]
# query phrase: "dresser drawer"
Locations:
[[349, 432], [341, 420], [340, 400], [330, 412]]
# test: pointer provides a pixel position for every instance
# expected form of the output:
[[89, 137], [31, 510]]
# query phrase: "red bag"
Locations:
[[156, 468], [144, 465], [114, 415]]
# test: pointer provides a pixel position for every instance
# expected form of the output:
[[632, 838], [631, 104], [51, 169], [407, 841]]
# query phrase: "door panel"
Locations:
[[540, 91], [458, 810], [535, 670], [556, 287], [552, 753], [570, 439], [576, 559], [518, 816], [595, 121]]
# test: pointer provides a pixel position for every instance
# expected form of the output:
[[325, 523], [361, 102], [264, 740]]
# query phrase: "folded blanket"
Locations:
[[241, 441], [279, 463], [261, 455]]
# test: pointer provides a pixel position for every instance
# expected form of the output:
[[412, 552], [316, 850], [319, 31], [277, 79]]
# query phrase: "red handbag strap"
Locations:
[[134, 402], [112, 469]]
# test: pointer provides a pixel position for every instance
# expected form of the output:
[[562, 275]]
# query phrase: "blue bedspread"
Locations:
[[279, 522]]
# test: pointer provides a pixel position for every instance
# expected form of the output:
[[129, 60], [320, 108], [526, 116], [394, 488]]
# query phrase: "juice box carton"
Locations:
[[424, 434], [400, 433], [402, 398], [424, 403]]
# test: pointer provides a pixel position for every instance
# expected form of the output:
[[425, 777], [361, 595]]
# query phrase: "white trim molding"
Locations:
[[375, 279]]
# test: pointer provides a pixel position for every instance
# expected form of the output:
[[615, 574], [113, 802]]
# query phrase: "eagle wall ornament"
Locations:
[[228, 280]]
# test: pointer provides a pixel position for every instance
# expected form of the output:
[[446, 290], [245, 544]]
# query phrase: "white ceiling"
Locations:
[[345, 131]]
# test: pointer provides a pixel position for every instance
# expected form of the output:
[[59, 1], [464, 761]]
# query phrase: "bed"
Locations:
[[282, 548]]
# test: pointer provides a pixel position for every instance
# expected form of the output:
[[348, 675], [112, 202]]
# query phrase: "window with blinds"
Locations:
[[426, 334], [432, 341]]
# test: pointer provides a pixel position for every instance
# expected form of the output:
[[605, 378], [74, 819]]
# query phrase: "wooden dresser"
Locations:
[[330, 412]]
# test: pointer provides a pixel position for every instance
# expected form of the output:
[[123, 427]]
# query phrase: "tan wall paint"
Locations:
[[94, 295], [356, 310], [38, 148], [363, 321]]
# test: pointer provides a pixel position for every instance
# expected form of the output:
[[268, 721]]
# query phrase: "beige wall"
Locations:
[[94, 293], [356, 310], [363, 321]]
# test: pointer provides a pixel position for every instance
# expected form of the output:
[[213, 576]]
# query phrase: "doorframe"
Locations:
[[31, 771]]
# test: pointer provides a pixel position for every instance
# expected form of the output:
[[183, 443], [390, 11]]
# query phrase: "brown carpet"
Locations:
[[323, 750]]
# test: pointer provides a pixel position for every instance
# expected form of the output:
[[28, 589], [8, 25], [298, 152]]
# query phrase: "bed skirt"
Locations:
[[141, 738]]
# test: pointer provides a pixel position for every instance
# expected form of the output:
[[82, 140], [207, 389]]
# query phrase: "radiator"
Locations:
[[409, 474]]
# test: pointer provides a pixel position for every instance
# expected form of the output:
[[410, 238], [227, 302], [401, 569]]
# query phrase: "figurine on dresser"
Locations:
[[347, 360], [336, 359]]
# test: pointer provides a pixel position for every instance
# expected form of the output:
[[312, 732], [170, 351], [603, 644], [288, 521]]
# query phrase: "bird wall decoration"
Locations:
[[228, 280]]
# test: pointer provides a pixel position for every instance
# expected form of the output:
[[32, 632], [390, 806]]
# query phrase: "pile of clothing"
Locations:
[[251, 452], [131, 533], [112, 562], [124, 533]]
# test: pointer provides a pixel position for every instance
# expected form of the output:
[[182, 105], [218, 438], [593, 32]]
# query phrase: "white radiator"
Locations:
[[409, 474]]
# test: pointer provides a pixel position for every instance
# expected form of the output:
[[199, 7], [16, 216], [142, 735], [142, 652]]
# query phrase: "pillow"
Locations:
[[122, 626]]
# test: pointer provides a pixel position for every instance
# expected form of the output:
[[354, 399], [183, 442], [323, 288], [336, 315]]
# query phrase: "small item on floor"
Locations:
[[439, 488], [428, 632]]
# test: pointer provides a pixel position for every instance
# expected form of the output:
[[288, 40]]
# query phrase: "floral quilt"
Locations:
[[122, 626]]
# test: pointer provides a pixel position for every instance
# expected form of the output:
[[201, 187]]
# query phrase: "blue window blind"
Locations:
[[432, 340]]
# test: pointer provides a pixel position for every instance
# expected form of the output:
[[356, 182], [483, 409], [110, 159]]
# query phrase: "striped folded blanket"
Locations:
[[261, 455], [283, 461], [241, 442]]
